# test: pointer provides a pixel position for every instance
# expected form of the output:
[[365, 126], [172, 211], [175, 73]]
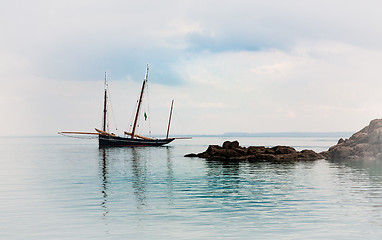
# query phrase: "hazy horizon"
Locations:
[[232, 134]]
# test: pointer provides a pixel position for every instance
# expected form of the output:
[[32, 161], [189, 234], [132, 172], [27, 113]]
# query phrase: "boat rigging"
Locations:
[[107, 139]]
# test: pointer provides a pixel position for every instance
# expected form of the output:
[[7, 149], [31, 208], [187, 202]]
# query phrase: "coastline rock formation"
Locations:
[[233, 151], [365, 144]]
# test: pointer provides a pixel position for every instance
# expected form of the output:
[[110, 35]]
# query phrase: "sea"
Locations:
[[64, 188]]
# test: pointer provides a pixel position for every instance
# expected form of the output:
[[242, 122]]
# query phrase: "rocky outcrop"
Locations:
[[365, 144], [233, 151]]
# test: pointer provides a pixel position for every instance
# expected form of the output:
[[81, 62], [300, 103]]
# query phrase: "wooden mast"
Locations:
[[169, 119], [105, 106], [139, 103]]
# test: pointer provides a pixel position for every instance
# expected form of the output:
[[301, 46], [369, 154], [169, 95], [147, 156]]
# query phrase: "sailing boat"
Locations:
[[106, 139]]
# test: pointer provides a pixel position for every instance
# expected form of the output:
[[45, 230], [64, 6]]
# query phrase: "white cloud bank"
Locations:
[[249, 66]]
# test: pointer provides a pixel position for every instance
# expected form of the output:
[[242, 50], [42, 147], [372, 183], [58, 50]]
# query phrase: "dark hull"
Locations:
[[111, 141]]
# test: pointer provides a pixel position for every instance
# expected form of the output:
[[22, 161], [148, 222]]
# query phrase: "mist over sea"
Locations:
[[65, 188]]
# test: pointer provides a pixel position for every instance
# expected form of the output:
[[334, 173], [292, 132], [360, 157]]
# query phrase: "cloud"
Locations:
[[71, 39], [65, 38], [232, 66], [318, 85]]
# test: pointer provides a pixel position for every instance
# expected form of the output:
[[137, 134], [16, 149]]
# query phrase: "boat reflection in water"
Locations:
[[125, 172], [104, 174]]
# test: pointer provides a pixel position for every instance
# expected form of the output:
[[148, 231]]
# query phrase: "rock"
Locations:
[[287, 157], [252, 150], [227, 153], [269, 151], [241, 151], [341, 152], [191, 155], [375, 136], [283, 150], [360, 137], [364, 144], [231, 145], [233, 151], [261, 157], [211, 151], [309, 155]]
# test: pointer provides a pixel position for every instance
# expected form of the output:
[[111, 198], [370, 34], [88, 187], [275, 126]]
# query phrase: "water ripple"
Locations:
[[71, 191]]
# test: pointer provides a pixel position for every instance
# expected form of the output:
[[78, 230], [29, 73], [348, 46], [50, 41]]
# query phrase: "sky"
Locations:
[[230, 66]]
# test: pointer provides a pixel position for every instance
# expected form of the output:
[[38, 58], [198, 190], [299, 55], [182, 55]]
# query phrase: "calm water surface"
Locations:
[[63, 188]]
